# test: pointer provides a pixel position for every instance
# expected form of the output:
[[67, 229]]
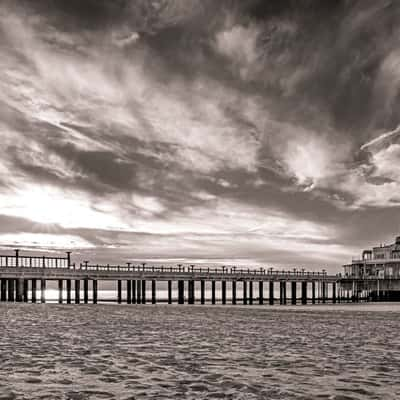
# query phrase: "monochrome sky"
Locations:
[[249, 131]]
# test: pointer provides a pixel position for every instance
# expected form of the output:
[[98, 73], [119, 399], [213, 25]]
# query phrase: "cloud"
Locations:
[[239, 44], [380, 138], [126, 40], [44, 240], [233, 130]]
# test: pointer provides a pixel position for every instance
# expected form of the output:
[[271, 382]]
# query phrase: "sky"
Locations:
[[244, 132]]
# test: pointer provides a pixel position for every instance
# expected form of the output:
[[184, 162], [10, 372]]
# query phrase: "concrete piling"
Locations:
[[271, 293], [181, 292], [223, 290], [25, 295], [77, 291], [153, 292], [11, 284], [260, 293], [251, 292], [202, 291], [34, 289], [143, 291], [294, 293], [313, 292], [86, 291], [69, 291], [3, 289], [334, 292], [133, 291], [282, 292], [304, 292], [129, 291], [191, 291], [60, 291], [245, 292], [94, 291], [170, 292], [323, 292], [119, 291], [43, 290], [138, 292], [233, 292], [19, 290], [213, 298]]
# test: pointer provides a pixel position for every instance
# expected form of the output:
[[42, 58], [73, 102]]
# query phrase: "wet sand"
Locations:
[[199, 352]]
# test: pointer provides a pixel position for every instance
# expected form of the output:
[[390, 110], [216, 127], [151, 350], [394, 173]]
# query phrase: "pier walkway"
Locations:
[[20, 275]]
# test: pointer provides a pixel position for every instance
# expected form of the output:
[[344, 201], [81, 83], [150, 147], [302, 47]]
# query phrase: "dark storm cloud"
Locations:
[[236, 128]]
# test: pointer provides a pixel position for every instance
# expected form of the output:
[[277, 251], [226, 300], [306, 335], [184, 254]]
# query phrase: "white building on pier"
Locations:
[[381, 262]]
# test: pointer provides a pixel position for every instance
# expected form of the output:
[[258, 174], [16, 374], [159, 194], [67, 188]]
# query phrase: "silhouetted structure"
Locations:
[[19, 277]]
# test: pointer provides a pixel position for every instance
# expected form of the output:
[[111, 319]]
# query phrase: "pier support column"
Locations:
[[133, 291], [181, 292], [19, 290], [191, 292], [284, 292], [313, 292], [271, 293], [323, 292], [202, 292], [169, 292], [143, 291], [282, 299], [251, 292], [86, 291], [129, 291], [11, 284], [244, 292], [3, 289], [334, 292], [26, 290], [304, 292], [77, 291], [68, 291], [138, 291], [294, 293], [153, 292], [43, 290], [60, 291], [261, 292], [213, 301], [34, 288], [119, 291], [94, 291], [223, 290], [233, 292]]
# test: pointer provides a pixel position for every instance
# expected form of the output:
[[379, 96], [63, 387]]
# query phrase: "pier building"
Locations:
[[381, 261], [377, 271]]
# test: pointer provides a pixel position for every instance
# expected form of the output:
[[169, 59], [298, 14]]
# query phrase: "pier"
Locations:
[[22, 276]]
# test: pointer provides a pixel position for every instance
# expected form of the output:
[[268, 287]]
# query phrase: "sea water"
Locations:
[[104, 351]]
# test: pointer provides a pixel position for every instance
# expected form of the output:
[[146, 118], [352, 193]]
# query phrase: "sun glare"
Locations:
[[50, 205]]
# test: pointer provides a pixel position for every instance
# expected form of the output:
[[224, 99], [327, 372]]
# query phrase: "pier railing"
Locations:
[[35, 261], [50, 262], [129, 267]]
